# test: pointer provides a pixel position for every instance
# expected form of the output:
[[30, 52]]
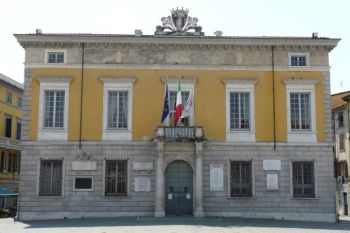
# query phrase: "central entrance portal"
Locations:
[[178, 189]]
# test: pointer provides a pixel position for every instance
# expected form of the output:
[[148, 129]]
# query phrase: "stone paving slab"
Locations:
[[171, 225]]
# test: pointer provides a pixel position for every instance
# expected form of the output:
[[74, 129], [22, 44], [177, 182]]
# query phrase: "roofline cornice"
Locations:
[[27, 40]]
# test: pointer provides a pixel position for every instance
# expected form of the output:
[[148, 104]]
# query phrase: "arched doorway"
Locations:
[[178, 188]]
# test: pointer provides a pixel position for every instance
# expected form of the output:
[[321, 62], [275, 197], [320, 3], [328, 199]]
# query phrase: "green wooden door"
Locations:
[[179, 189]]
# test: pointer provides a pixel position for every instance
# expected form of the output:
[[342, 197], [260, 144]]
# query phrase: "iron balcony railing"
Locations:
[[179, 133]]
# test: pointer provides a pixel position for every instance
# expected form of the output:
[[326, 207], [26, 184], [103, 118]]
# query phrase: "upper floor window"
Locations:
[[240, 114], [117, 108], [300, 111], [19, 102], [185, 120], [239, 110], [53, 108], [303, 179], [340, 119], [9, 97], [342, 142], [18, 129], [55, 56], [299, 59]]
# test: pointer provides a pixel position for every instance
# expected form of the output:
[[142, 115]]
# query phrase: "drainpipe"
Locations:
[[273, 95], [81, 93]]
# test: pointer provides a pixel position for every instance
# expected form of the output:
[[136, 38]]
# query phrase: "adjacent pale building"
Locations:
[[11, 95], [256, 142]]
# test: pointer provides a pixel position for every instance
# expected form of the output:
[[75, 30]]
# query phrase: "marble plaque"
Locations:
[[142, 166], [272, 165], [142, 184], [216, 177], [272, 181], [83, 165]]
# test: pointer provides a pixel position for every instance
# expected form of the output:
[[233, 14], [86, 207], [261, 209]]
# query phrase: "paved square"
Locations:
[[171, 225]]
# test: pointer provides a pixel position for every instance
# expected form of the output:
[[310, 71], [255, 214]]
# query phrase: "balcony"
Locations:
[[180, 133], [10, 143]]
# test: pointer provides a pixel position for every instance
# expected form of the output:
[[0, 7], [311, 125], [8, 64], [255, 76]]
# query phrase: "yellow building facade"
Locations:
[[11, 96], [256, 141]]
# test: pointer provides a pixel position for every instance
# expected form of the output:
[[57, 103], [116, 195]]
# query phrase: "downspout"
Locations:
[[81, 93], [273, 95]]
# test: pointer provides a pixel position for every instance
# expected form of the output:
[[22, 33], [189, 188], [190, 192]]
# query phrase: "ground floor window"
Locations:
[[116, 178], [50, 180], [10, 162], [241, 179], [303, 179]]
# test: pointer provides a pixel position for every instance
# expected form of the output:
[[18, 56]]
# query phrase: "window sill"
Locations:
[[240, 136], [83, 190], [245, 198], [303, 68], [116, 135], [52, 134], [50, 197], [305, 198]]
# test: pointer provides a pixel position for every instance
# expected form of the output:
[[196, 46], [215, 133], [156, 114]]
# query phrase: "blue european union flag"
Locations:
[[166, 103]]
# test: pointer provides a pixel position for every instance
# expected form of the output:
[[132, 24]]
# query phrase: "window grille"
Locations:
[[118, 109], [240, 110], [303, 180], [55, 57], [54, 109], [300, 114], [116, 178], [241, 179], [50, 181]]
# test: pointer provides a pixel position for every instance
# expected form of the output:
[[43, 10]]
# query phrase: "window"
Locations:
[[116, 178], [300, 111], [239, 110], [5, 162], [8, 126], [185, 121], [18, 129], [342, 142], [83, 183], [340, 119], [241, 179], [55, 57], [299, 59], [53, 109], [118, 109], [303, 179], [19, 102], [9, 97], [50, 180]]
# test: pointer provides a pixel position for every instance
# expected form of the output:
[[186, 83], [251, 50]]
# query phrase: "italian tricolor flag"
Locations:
[[178, 108]]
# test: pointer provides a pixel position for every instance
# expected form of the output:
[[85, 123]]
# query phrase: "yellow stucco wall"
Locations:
[[7, 109], [148, 94]]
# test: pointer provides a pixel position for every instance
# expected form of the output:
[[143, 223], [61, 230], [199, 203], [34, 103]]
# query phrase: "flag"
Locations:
[[178, 108], [188, 105], [166, 103]]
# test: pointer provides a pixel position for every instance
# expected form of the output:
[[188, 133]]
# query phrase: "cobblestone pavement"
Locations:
[[171, 225]]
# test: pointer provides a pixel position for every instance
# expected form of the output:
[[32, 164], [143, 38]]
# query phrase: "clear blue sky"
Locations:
[[330, 18]]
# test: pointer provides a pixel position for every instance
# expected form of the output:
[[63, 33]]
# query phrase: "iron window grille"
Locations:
[[50, 181], [54, 109], [118, 109], [241, 179], [300, 108], [303, 179], [298, 61], [116, 178], [56, 57], [240, 110]]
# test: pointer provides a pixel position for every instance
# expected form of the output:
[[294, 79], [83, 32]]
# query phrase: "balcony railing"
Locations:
[[10, 143], [181, 133]]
